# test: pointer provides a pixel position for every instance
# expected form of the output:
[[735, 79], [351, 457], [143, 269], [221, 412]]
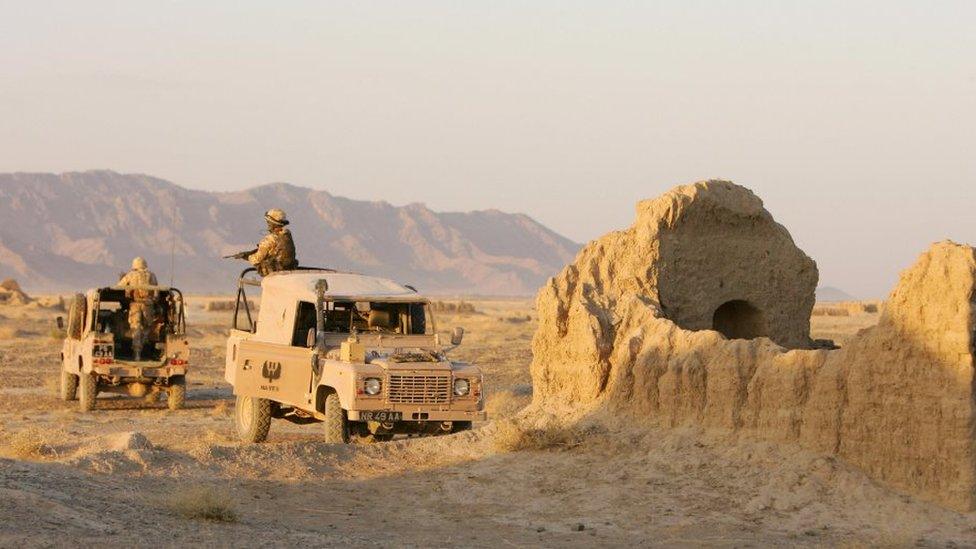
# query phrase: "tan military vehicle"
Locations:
[[97, 354], [357, 353]]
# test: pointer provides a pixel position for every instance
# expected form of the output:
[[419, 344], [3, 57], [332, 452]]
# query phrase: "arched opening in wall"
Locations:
[[738, 319]]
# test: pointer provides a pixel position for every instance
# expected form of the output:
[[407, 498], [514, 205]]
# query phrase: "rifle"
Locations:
[[241, 255]]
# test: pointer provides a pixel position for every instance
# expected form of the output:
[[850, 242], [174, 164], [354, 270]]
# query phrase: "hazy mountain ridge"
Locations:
[[75, 230], [829, 294]]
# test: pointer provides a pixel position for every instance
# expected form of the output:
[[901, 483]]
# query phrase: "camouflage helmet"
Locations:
[[276, 217], [139, 264]]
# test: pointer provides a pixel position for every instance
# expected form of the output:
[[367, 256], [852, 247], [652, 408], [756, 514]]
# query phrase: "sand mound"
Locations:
[[11, 294], [132, 440], [617, 332]]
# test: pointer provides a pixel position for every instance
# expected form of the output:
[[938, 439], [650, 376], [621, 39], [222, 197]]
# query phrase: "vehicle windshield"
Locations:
[[376, 317]]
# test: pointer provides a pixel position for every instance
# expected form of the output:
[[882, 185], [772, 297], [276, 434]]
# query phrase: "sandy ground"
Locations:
[[120, 475]]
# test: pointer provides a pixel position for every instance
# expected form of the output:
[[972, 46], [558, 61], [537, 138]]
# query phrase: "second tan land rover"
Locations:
[[97, 354], [360, 355]]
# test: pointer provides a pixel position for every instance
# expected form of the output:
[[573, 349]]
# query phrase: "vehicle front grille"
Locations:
[[419, 389]]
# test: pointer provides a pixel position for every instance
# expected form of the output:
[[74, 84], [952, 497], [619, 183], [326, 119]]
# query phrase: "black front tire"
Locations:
[[253, 418], [336, 424], [87, 391], [69, 386]]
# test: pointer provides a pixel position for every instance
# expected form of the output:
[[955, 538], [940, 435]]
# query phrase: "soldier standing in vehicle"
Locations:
[[276, 251], [141, 303]]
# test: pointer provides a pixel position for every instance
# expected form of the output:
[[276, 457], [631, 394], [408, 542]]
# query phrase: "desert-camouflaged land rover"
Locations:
[[357, 353], [97, 354]]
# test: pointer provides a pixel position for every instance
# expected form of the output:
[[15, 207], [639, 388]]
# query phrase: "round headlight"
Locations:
[[372, 386], [461, 387]]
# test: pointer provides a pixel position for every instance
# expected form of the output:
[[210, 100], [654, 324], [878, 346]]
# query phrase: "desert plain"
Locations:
[[135, 473]]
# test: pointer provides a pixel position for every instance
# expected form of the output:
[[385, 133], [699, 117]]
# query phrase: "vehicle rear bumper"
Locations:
[[123, 369]]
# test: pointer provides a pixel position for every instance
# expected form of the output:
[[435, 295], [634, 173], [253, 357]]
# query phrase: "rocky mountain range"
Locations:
[[79, 230]]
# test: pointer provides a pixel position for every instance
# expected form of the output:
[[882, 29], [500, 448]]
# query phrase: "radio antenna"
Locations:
[[172, 253]]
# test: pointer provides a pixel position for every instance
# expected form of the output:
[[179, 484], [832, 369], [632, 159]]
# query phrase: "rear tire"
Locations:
[[176, 394], [336, 424], [69, 386], [87, 391], [253, 418]]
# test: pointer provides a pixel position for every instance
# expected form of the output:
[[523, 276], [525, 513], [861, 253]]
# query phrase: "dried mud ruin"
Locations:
[[699, 314], [11, 294]]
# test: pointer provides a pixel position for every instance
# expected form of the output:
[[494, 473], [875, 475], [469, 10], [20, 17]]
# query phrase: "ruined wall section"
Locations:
[[689, 251], [897, 402], [720, 245]]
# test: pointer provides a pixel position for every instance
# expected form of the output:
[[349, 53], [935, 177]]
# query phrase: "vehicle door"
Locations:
[[280, 371]]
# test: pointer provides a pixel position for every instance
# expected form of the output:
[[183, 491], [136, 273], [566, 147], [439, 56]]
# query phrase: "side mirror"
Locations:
[[310, 338], [457, 335], [60, 321]]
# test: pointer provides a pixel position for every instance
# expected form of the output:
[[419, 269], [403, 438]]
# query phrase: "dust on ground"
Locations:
[[112, 476]]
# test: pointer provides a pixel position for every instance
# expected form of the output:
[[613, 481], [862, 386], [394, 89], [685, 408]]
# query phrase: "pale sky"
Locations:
[[855, 121]]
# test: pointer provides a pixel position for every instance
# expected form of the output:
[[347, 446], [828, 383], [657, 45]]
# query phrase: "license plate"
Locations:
[[381, 416]]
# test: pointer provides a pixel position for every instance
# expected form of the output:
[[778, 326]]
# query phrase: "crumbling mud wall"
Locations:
[[11, 294], [619, 332]]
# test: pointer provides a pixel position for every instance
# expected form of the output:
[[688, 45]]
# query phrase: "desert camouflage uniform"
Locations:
[[141, 307], [276, 252]]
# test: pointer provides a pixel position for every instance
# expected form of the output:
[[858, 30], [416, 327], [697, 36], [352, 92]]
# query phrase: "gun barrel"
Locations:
[[241, 255]]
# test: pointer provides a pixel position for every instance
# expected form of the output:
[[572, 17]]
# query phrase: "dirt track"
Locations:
[[95, 476]]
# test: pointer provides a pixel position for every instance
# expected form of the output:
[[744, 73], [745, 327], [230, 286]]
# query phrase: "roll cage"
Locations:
[[242, 302], [242, 305], [118, 294]]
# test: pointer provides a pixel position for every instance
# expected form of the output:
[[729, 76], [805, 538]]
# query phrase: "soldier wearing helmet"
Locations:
[[141, 303], [276, 251]]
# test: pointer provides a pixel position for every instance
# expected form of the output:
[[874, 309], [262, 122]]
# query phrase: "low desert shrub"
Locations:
[[822, 310], [10, 332], [52, 384], [202, 503], [515, 436], [221, 408], [518, 319], [506, 403], [460, 307], [845, 308], [30, 443]]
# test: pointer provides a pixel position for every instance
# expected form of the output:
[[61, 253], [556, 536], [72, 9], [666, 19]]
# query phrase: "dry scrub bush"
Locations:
[[519, 319], [202, 503], [202, 447], [506, 403], [821, 310], [461, 307], [845, 308], [513, 436], [10, 332], [221, 408], [31, 443], [52, 384]]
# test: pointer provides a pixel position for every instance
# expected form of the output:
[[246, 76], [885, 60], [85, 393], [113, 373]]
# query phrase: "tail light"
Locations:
[[178, 362]]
